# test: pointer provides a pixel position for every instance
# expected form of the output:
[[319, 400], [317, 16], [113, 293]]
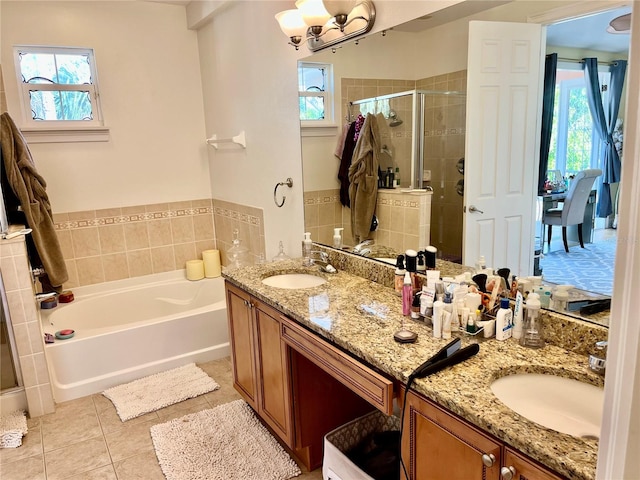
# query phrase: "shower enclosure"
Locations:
[[424, 137]]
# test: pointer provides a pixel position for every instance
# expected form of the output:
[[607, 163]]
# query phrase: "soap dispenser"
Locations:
[[532, 328], [337, 238], [306, 249], [238, 254]]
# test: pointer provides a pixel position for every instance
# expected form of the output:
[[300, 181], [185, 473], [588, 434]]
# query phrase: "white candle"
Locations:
[[195, 269], [211, 259]]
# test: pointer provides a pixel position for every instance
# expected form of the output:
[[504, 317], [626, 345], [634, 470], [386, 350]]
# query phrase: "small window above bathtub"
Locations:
[[58, 88]]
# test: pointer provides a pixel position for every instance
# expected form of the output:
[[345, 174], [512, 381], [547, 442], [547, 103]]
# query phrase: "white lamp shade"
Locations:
[[291, 23], [337, 7], [313, 12]]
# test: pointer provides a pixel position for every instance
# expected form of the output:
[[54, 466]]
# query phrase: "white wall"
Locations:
[[150, 84]]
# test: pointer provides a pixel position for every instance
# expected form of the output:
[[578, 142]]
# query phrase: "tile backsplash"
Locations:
[[116, 243], [112, 244]]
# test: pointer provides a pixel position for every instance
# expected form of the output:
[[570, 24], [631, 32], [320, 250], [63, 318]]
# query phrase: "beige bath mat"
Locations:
[[160, 390], [223, 443], [13, 426]]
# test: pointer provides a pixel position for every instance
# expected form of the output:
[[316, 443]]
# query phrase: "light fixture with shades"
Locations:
[[621, 24], [324, 23]]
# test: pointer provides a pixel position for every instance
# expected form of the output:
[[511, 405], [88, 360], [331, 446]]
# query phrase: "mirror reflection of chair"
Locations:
[[572, 212]]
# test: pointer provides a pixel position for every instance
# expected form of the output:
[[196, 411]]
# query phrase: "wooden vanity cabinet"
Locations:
[[260, 362], [436, 445], [517, 467]]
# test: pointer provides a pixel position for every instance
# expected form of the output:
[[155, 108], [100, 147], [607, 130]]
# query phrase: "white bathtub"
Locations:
[[131, 328]]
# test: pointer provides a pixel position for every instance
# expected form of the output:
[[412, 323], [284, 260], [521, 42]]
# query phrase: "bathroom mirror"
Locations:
[[371, 69]]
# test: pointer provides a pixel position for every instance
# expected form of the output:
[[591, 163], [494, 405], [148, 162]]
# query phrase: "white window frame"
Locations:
[[327, 125], [53, 131]]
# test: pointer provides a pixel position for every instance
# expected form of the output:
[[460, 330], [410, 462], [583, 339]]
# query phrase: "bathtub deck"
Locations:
[[85, 437]]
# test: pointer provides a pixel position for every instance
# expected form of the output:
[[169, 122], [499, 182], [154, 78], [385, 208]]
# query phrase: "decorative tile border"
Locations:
[[132, 218], [235, 215]]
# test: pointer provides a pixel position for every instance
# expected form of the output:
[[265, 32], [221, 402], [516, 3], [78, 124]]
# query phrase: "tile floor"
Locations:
[[85, 439]]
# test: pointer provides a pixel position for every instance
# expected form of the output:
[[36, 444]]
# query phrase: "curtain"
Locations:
[[604, 125], [549, 93]]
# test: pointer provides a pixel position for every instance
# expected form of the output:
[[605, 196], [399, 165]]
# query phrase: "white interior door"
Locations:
[[504, 87]]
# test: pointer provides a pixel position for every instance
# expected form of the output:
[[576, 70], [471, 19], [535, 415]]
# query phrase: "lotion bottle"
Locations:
[[337, 238], [438, 309], [504, 321], [399, 277], [407, 295]]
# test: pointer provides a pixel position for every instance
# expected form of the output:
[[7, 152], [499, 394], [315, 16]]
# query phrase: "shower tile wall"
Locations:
[[358, 88], [445, 120], [26, 327], [404, 218], [323, 213]]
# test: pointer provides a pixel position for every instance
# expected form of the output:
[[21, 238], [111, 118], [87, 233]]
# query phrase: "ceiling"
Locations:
[[590, 33]]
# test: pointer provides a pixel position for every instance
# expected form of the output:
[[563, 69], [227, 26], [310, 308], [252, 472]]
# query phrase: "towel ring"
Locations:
[[289, 183]]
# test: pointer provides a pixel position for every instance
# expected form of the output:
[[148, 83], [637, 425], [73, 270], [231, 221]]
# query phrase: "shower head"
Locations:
[[395, 121]]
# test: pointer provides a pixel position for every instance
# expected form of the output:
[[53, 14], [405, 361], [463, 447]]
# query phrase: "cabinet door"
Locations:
[[242, 344], [273, 371], [517, 467], [438, 446]]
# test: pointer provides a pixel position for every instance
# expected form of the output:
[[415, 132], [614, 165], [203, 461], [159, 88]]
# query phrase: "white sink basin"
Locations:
[[294, 280], [558, 403]]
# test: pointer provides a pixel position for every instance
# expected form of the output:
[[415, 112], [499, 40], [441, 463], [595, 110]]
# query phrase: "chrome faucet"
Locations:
[[598, 363], [360, 250], [322, 261]]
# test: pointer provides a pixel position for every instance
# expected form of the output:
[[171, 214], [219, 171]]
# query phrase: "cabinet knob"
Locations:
[[488, 459], [507, 473]]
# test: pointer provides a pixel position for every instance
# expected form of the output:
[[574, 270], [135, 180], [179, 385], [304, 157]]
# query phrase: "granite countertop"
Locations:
[[361, 316]]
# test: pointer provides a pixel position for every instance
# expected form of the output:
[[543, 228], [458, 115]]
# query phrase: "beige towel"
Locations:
[[30, 189], [363, 177]]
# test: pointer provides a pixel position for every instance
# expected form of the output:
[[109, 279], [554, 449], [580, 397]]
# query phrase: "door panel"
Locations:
[[241, 337], [502, 143], [275, 392]]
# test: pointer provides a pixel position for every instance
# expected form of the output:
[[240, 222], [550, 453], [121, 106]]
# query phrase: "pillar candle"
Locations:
[[211, 259], [195, 269]]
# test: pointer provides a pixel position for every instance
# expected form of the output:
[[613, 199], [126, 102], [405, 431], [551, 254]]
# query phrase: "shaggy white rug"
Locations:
[[223, 443], [160, 390], [13, 426]]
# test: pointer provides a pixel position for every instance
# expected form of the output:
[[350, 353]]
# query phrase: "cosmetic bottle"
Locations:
[[446, 325], [306, 250], [337, 238], [415, 306], [560, 297], [426, 307], [406, 295], [396, 178], [532, 326], [436, 319], [481, 264], [399, 277], [504, 321], [518, 316], [430, 257], [421, 271], [471, 321]]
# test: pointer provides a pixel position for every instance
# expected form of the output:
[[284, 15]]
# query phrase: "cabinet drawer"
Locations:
[[363, 381]]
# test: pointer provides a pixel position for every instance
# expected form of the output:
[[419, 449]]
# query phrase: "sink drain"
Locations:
[[590, 437]]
